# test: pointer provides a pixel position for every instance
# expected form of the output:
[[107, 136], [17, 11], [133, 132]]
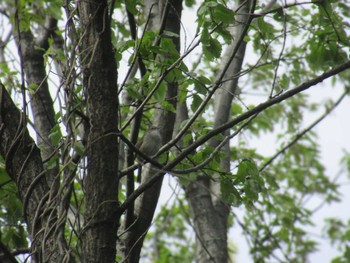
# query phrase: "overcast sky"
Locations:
[[333, 134], [334, 138]]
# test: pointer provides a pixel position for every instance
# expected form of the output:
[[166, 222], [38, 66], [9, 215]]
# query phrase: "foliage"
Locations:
[[12, 226], [170, 237], [288, 46]]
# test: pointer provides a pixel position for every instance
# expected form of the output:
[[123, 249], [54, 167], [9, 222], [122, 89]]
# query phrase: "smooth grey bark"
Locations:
[[223, 103], [40, 99], [24, 166], [101, 217], [210, 212], [145, 205]]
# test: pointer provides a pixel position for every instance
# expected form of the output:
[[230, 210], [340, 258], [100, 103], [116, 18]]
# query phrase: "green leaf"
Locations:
[[169, 49], [55, 135], [33, 87], [131, 6], [252, 188], [246, 168], [236, 109], [133, 91], [183, 92], [205, 36], [52, 163], [185, 180], [160, 93], [223, 14], [196, 102], [213, 49], [229, 192], [337, 260], [147, 44], [170, 34], [267, 29], [168, 106], [79, 148], [3, 174], [125, 45], [183, 67], [204, 80], [122, 29], [347, 253], [190, 3], [199, 86], [226, 35]]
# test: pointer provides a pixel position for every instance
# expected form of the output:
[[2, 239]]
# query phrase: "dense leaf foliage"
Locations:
[[289, 44]]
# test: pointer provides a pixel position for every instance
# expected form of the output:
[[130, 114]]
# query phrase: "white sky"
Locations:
[[334, 138], [333, 135]]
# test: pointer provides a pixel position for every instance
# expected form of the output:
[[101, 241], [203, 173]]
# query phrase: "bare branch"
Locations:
[[256, 110], [305, 131]]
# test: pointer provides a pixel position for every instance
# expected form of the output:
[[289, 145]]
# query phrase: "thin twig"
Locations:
[[305, 131]]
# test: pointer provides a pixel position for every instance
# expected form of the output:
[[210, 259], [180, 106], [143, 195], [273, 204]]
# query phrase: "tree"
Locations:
[[90, 78]]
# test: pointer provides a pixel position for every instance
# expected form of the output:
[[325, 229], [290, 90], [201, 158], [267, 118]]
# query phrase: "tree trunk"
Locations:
[[24, 165], [99, 234], [132, 240], [209, 211]]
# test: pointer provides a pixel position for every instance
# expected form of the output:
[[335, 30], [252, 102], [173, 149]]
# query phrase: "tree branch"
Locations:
[[256, 110], [305, 131]]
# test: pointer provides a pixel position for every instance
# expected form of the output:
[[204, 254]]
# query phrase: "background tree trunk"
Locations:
[[76, 184], [132, 240], [210, 212]]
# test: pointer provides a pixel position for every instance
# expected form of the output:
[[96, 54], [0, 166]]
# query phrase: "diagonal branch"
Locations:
[[256, 110], [301, 134], [259, 108]]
